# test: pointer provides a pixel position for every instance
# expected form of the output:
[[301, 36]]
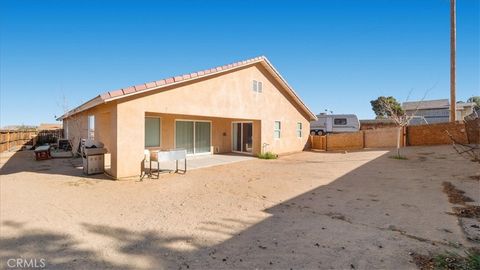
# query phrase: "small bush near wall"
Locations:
[[399, 157], [268, 155]]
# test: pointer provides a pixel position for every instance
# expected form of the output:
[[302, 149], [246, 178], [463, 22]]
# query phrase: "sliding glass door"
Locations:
[[242, 137], [184, 135], [202, 137], [194, 136]]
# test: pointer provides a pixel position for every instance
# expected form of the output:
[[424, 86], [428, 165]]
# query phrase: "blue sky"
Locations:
[[338, 55]]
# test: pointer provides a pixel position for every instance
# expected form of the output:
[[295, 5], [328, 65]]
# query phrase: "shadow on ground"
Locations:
[[365, 219], [24, 161], [60, 251]]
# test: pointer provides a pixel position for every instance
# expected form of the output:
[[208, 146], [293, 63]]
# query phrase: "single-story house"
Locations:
[[244, 107]]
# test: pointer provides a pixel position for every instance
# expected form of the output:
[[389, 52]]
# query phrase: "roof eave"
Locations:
[[85, 106], [108, 99], [312, 115], [128, 92], [261, 59]]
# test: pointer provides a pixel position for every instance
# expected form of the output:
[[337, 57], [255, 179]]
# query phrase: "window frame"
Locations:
[[336, 124], [257, 86], [299, 130], [277, 130], [90, 128], [212, 147], [65, 125], [159, 132]]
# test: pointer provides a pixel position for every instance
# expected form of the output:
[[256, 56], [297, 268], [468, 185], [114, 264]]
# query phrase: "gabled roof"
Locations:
[[155, 85]]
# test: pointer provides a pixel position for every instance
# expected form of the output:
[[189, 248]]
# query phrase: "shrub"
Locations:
[[399, 157], [268, 155], [453, 261], [449, 260]]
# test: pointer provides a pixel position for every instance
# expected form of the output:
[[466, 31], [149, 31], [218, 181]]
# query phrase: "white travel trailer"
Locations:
[[334, 123]]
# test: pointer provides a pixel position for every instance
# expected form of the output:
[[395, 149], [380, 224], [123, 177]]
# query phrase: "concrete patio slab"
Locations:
[[204, 161]]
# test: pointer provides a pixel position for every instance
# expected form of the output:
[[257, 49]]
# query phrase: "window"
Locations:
[[299, 130], [65, 125], [277, 130], [340, 121], [91, 127], [257, 86], [152, 132]]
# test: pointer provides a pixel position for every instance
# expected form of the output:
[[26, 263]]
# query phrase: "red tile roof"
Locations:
[[115, 94], [179, 78]]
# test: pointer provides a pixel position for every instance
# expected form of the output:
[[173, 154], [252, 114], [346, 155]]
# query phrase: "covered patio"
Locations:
[[201, 135]]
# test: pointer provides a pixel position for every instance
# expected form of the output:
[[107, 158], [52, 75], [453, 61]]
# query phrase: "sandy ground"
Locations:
[[309, 210]]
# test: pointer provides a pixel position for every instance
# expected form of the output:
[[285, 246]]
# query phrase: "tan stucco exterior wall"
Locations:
[[76, 127], [221, 99]]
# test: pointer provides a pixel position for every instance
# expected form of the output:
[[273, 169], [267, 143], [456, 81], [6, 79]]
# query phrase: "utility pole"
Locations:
[[453, 51]]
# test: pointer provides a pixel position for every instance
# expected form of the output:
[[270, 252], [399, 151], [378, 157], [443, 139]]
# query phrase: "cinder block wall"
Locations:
[[435, 134], [473, 130], [381, 138]]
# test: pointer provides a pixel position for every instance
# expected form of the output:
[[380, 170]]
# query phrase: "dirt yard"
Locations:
[[358, 210]]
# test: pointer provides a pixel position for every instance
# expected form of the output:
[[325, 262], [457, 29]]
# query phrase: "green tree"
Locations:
[[476, 100], [384, 107]]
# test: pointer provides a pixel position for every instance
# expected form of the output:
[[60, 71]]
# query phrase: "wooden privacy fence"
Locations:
[[13, 138], [434, 134], [375, 138], [318, 142]]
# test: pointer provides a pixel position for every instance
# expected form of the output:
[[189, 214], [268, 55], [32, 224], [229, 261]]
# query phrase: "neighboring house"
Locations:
[[45, 126], [245, 107], [435, 111]]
